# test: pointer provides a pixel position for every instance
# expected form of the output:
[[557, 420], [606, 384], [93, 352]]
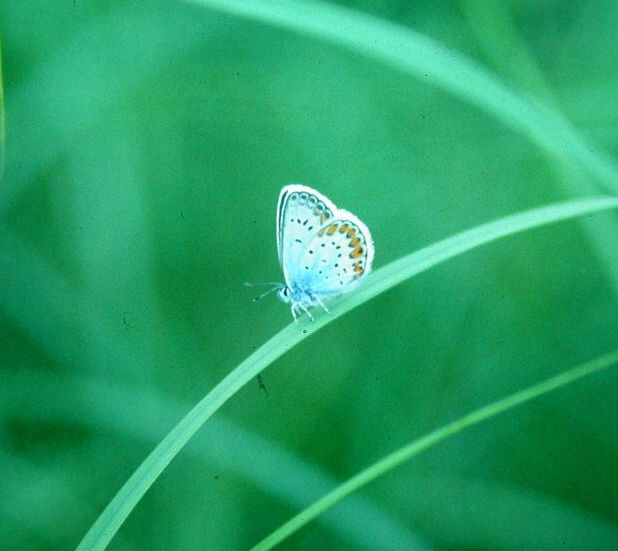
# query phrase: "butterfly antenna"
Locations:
[[262, 283], [276, 287]]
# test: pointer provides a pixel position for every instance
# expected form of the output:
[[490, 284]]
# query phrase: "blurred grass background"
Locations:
[[146, 144]]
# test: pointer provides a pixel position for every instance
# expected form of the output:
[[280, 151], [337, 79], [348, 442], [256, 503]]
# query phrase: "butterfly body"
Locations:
[[323, 250]]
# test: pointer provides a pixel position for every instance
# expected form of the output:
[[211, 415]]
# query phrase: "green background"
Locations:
[[146, 144]]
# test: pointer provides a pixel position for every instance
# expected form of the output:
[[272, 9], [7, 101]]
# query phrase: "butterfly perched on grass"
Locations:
[[323, 250]]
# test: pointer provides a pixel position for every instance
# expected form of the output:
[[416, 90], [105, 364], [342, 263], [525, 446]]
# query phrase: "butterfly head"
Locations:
[[295, 295], [284, 293]]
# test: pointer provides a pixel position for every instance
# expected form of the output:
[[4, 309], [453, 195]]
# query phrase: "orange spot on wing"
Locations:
[[331, 229], [344, 228], [355, 242], [358, 268], [357, 252], [325, 217], [351, 233]]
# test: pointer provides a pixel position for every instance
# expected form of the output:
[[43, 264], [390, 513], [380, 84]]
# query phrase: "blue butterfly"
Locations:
[[323, 250]]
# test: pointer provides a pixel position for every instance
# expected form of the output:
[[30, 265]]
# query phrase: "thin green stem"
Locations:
[[414, 448]]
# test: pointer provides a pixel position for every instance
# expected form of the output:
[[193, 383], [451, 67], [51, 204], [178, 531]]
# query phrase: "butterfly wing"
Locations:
[[338, 257], [301, 213], [322, 249]]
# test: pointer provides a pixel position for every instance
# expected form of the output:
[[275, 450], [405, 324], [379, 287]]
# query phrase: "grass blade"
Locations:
[[381, 280], [422, 57], [414, 448]]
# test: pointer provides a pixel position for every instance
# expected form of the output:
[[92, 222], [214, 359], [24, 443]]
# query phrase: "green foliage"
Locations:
[[146, 144], [2, 119]]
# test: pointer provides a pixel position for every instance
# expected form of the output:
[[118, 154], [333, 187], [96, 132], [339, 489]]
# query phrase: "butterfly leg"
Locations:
[[304, 309], [293, 308], [323, 306]]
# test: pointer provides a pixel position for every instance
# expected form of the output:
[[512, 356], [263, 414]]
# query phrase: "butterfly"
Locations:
[[323, 250]]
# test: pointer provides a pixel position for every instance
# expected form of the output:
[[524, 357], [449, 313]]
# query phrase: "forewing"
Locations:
[[338, 257], [301, 213]]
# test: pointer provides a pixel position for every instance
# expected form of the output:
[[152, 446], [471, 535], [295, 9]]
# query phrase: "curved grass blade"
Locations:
[[421, 56], [379, 281], [97, 404], [503, 44], [414, 448]]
